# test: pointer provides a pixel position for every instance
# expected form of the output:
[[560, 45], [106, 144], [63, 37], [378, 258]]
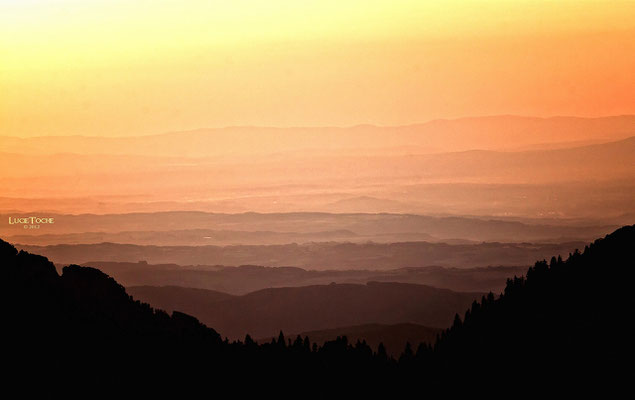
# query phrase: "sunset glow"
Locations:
[[316, 197], [121, 68]]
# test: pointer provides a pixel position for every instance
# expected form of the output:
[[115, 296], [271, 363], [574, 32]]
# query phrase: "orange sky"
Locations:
[[125, 68]]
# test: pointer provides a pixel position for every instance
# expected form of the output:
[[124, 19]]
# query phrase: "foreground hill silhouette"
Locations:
[[393, 338], [83, 324], [566, 319]]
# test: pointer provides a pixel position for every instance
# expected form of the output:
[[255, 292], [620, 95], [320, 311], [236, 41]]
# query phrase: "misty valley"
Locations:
[[317, 199]]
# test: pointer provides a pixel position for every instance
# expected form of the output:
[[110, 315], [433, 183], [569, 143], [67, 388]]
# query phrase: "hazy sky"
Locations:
[[107, 67]]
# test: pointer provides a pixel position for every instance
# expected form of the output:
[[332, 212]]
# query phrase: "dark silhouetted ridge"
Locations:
[[568, 322], [83, 323], [565, 319]]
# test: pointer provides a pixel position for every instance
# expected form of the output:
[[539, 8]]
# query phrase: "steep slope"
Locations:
[[83, 331], [175, 298], [82, 302], [566, 318]]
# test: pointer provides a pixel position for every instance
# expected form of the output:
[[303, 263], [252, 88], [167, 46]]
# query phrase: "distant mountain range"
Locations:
[[604, 161], [317, 256], [473, 166], [484, 133], [179, 228]]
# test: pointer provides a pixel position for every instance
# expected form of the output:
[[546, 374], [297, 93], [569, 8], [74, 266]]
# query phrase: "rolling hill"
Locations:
[[266, 312], [250, 278]]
